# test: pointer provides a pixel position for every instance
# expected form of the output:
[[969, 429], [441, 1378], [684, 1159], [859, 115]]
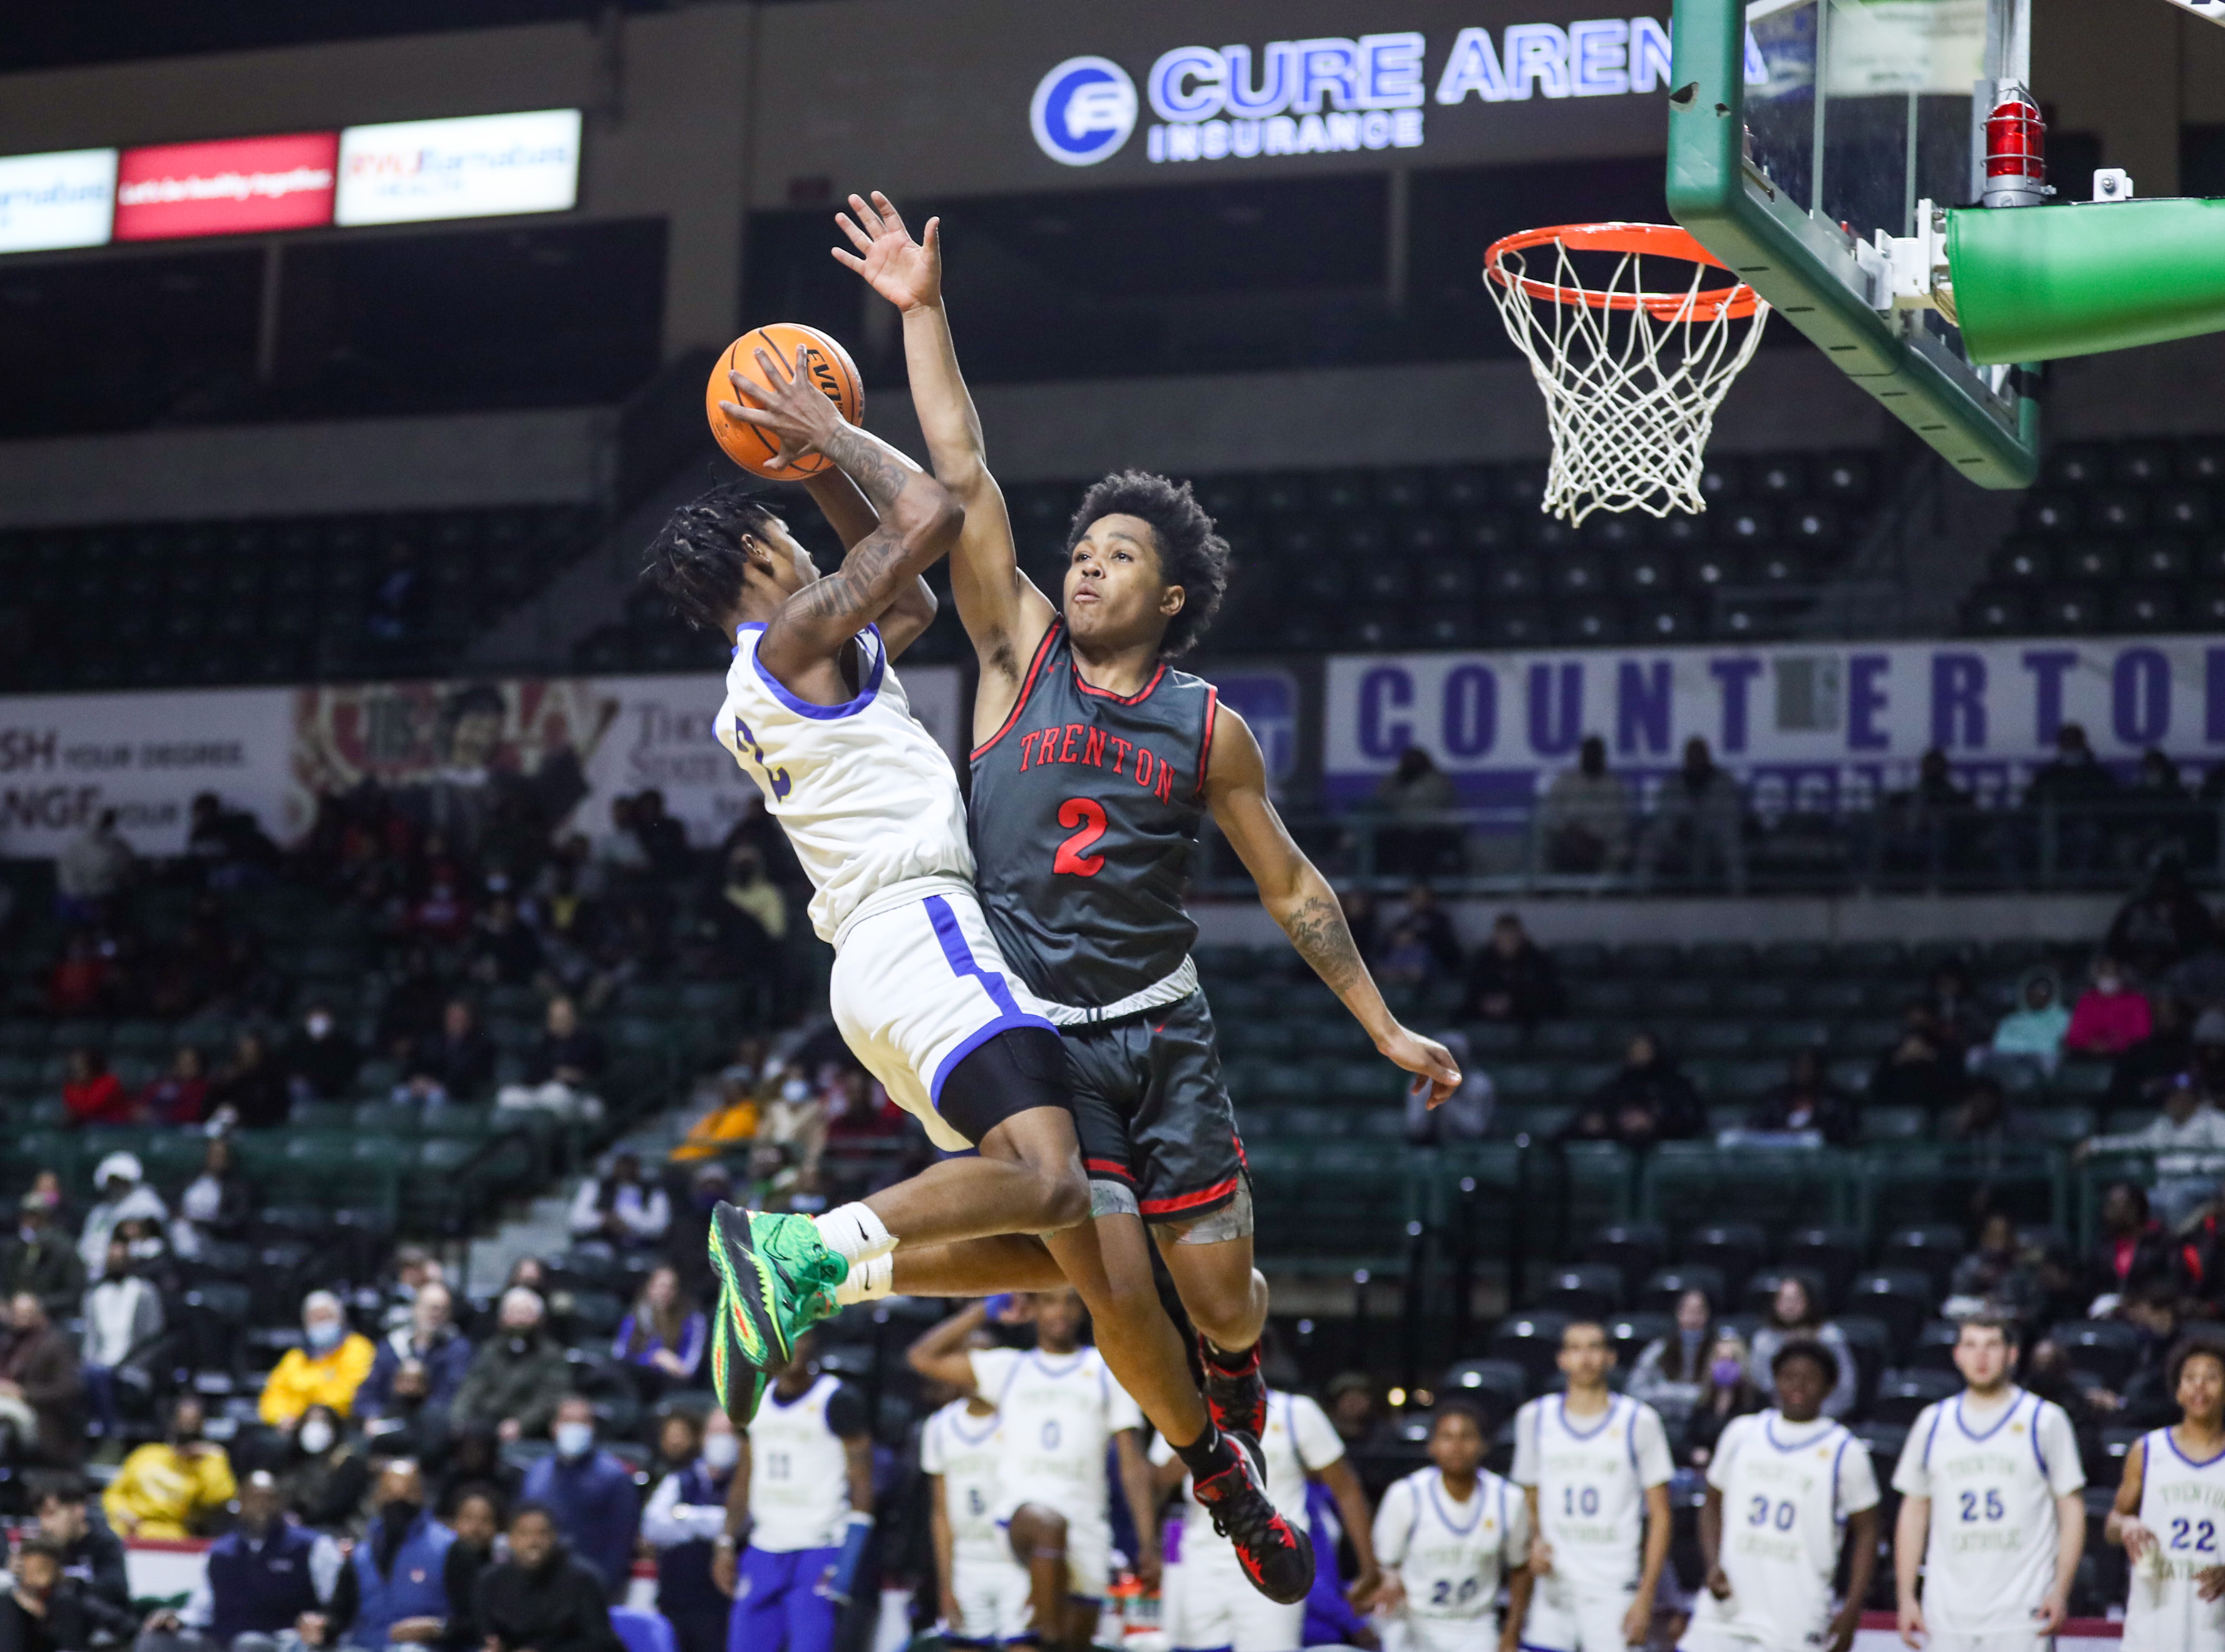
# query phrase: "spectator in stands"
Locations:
[[563, 1070], [2149, 1400], [2110, 1017], [686, 1241], [43, 1612], [404, 1582], [1928, 823], [1416, 798], [591, 1493], [325, 1473], [1998, 1277], [40, 1260], [229, 843], [663, 841], [660, 1338], [251, 1091], [1917, 1071], [92, 1094], [327, 1370], [475, 1459], [1671, 1373], [729, 1125], [1465, 1114], [218, 1202], [1808, 1102], [91, 1553], [1728, 1391], [2034, 1031], [1957, 1010], [543, 1598], [90, 871], [125, 1197], [2075, 788], [795, 1120], [267, 1578], [860, 1111], [459, 1058], [1982, 1119], [1583, 822], [2199, 981], [2167, 1050], [122, 1317], [1648, 1100], [175, 1487], [1426, 925], [1511, 977], [41, 1390], [1351, 1407], [474, 1513], [319, 1060], [179, 1096], [686, 1515], [2133, 1251], [1795, 1316], [618, 1207], [2188, 1140], [517, 1377], [1700, 815], [418, 1370], [2161, 926], [79, 982], [503, 950]]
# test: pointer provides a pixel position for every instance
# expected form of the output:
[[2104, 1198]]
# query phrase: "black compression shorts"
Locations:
[[1019, 1069]]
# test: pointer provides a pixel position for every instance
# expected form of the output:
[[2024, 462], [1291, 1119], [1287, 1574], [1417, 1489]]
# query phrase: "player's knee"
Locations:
[[1226, 1310], [1063, 1197]]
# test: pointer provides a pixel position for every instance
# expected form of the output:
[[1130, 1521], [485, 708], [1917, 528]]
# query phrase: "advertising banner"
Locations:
[[1831, 724], [237, 186], [63, 199], [480, 166]]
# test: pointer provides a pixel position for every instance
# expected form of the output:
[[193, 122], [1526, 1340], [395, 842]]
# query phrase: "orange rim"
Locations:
[[1734, 303]]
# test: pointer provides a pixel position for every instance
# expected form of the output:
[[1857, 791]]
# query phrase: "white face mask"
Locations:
[[319, 1025], [574, 1439], [316, 1436], [721, 1451], [795, 1090]]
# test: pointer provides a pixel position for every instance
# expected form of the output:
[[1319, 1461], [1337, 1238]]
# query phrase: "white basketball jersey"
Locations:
[[867, 797], [1056, 1415], [799, 1473], [1591, 1480], [1299, 1440], [962, 1448], [1990, 1556], [2182, 1502], [1787, 1489], [1450, 1555]]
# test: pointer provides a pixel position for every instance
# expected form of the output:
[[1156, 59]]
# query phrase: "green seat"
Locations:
[[1732, 960], [1787, 959], [1518, 1082], [1649, 960], [149, 1038], [1747, 1081], [1577, 1080], [1610, 1000], [19, 1071], [1681, 997], [2064, 1126], [2087, 1081], [1784, 1037], [1686, 1183], [1287, 1082], [1365, 1081], [1577, 1038], [1312, 1123], [1759, 997], [22, 1038], [1834, 1000], [172, 1156], [1852, 1076], [460, 1121], [1539, 1123], [1873, 959], [383, 1118], [1334, 1205], [1717, 1038], [322, 1116], [1895, 1124], [1334, 1035]]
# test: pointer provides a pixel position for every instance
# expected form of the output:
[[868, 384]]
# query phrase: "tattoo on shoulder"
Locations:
[[1318, 930], [876, 471], [848, 590]]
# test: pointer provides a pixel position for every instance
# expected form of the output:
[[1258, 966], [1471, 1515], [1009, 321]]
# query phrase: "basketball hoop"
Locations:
[[1631, 377]]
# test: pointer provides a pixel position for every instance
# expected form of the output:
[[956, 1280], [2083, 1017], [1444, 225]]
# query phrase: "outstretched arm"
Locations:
[[1293, 889], [941, 1356], [852, 517], [999, 606]]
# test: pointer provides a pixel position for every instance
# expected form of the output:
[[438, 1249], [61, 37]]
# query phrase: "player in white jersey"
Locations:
[[803, 1492], [2169, 1514], [1205, 1600], [1447, 1537], [1784, 1488], [1991, 1510], [984, 1590], [1595, 1468], [1059, 1409]]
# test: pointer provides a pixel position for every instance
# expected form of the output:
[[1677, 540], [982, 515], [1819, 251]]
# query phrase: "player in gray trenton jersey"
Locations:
[[1094, 768]]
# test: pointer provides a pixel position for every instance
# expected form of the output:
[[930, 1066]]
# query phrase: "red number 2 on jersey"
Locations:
[[1090, 814]]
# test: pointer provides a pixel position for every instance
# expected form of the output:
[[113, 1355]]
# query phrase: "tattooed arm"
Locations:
[[853, 519], [1293, 889]]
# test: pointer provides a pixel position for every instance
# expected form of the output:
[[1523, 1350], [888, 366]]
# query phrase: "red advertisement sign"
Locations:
[[237, 186]]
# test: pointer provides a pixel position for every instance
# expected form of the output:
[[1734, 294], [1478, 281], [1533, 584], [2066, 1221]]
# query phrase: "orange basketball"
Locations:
[[827, 365]]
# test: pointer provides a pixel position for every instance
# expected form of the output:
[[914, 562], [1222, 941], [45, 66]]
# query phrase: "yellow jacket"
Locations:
[[302, 1381], [733, 1122], [162, 1490]]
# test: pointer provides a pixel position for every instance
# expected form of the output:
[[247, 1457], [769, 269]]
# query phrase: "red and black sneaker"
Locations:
[[1277, 1557], [1234, 1392]]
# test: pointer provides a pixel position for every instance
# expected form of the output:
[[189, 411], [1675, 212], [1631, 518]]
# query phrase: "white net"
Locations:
[[1632, 379]]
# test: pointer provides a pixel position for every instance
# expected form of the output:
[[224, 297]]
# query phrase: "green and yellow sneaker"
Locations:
[[776, 1279]]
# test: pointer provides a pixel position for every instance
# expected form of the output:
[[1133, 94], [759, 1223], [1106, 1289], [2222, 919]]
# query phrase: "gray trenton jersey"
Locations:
[[1085, 814]]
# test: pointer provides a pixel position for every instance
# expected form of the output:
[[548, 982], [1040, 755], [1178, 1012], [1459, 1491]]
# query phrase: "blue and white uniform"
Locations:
[[1591, 1477], [990, 1586], [2182, 1502], [1450, 1556], [799, 1514], [870, 805], [1991, 1479]]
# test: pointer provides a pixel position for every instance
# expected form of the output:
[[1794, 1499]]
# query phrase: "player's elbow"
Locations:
[[929, 517]]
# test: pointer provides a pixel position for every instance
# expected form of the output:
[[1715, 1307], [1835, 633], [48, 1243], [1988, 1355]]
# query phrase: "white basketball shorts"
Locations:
[[1207, 1602], [993, 1601], [1567, 1619]]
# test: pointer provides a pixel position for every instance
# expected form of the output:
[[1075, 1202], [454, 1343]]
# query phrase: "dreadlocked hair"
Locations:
[[697, 560], [1191, 554]]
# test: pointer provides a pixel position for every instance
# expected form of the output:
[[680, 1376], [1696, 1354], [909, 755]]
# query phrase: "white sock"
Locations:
[[854, 1232], [868, 1281]]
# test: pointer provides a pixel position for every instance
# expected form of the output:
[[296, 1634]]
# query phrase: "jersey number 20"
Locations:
[[1090, 814]]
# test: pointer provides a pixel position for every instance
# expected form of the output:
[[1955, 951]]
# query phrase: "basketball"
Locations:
[[829, 367]]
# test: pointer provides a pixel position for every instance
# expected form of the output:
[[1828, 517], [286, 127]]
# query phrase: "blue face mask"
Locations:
[[325, 1335], [574, 1439], [1726, 1372]]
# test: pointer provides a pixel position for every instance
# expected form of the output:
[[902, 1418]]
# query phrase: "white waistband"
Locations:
[[903, 894], [1180, 984]]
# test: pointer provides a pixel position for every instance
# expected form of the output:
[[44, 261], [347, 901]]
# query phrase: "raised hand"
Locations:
[[907, 273], [796, 412]]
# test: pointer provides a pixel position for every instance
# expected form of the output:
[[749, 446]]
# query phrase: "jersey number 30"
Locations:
[[1090, 814]]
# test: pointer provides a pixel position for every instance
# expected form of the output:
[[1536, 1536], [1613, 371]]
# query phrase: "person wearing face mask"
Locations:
[[517, 1377], [267, 1581], [419, 1366], [1672, 1369], [685, 1516], [327, 1370], [1728, 1393], [40, 1259], [2110, 1017], [404, 1581], [319, 1060], [591, 1495], [326, 1474], [173, 1487], [122, 1317], [125, 1197]]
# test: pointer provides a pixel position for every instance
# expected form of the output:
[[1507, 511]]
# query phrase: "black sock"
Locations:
[[1207, 1455], [1242, 1363]]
